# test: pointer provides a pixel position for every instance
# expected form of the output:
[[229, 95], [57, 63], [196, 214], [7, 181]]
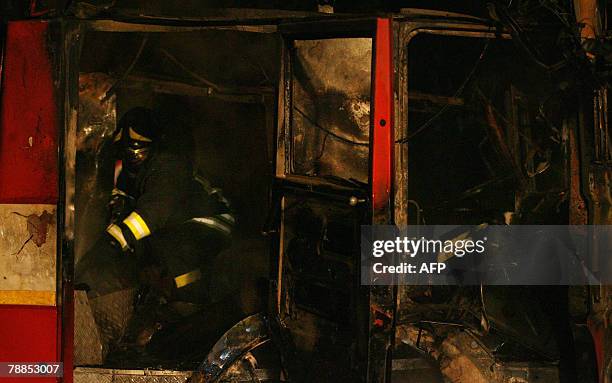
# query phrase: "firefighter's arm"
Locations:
[[119, 205], [217, 214], [159, 200]]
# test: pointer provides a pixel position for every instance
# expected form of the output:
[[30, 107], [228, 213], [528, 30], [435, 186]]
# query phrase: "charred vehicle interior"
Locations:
[[494, 133], [211, 107], [223, 168], [208, 107]]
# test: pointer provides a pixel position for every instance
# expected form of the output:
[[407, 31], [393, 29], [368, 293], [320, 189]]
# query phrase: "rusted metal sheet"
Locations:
[[28, 120], [578, 212], [99, 324], [462, 357], [88, 349], [120, 26], [112, 313], [106, 375], [331, 107], [28, 235], [96, 124]]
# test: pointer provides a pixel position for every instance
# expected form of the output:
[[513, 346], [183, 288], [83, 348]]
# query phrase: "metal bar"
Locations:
[[240, 95], [123, 26], [435, 99], [382, 137], [382, 298]]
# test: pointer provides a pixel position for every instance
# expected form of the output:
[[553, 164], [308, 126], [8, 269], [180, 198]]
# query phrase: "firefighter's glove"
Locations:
[[120, 237], [119, 207]]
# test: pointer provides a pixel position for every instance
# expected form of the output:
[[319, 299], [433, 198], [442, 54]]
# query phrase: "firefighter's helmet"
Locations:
[[136, 133]]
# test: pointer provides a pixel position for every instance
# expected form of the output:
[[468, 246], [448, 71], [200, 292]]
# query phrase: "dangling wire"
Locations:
[[445, 107], [334, 135], [113, 89]]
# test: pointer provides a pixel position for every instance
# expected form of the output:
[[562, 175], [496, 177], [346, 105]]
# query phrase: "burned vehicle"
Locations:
[[314, 125]]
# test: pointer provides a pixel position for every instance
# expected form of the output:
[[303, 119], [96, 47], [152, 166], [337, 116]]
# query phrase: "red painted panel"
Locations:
[[382, 141], [598, 333], [28, 174], [28, 121], [28, 334], [67, 332]]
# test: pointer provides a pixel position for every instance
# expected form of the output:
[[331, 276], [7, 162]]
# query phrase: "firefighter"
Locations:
[[166, 223]]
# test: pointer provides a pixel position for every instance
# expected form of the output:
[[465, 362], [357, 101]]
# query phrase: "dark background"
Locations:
[[22, 8]]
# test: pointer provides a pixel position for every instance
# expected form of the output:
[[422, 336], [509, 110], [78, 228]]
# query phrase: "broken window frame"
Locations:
[[359, 28], [371, 367], [322, 134], [74, 33], [408, 31]]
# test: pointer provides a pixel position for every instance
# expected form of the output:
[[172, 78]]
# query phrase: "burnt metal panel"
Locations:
[[106, 375], [241, 338], [95, 125], [347, 27], [88, 349], [99, 324], [330, 101]]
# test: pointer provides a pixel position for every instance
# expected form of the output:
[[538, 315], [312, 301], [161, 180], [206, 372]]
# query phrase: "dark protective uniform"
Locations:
[[167, 225]]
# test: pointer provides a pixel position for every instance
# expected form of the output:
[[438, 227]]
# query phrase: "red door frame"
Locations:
[[382, 298], [29, 331], [382, 140]]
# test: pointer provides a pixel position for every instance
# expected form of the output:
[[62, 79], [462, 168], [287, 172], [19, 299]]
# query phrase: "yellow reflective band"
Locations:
[[119, 192], [228, 217], [115, 231], [213, 223], [187, 278], [138, 137], [137, 225], [117, 137]]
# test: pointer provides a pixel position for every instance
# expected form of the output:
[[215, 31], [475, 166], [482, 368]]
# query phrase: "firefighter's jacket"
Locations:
[[166, 193], [168, 216]]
